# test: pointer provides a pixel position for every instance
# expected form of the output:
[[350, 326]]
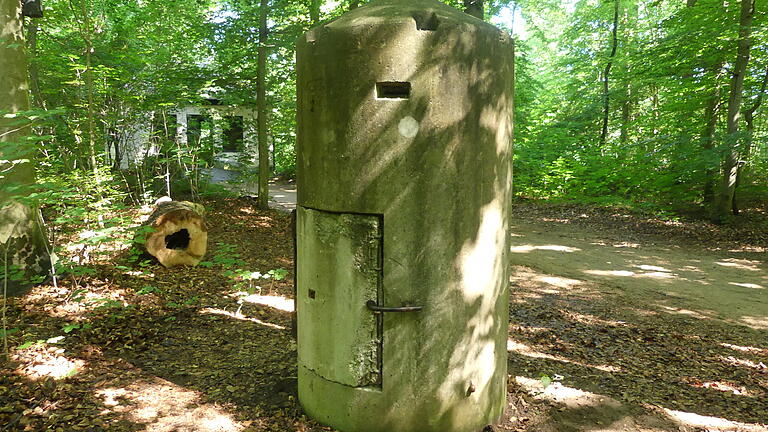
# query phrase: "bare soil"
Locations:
[[617, 323]]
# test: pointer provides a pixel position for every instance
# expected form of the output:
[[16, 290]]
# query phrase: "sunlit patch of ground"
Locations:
[[707, 423], [740, 264], [720, 386], [530, 248], [574, 409], [166, 407], [547, 283], [756, 322], [747, 285], [593, 320], [747, 349], [733, 361], [558, 393], [75, 304], [683, 311], [522, 349], [629, 273], [44, 361], [240, 316], [282, 303]]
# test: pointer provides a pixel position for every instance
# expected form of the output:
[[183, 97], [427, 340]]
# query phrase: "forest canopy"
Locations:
[[651, 104]]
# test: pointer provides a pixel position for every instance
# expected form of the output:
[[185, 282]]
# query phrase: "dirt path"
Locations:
[[646, 334], [727, 285]]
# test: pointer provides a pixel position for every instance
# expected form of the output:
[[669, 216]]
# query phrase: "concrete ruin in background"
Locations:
[[231, 130], [404, 180]]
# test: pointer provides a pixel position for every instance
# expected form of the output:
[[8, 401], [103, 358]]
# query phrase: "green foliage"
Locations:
[[148, 59], [148, 289], [69, 328], [670, 62]]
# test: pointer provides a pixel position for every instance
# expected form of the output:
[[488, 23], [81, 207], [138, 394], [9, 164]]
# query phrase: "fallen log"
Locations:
[[176, 233]]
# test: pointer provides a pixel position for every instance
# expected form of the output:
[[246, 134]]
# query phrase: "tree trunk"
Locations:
[[261, 107], [87, 35], [474, 8], [314, 12], [23, 248], [34, 73], [731, 160], [626, 115], [176, 233], [749, 119], [607, 72], [631, 13], [711, 113]]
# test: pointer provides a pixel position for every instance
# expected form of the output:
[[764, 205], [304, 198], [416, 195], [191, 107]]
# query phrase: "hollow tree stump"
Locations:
[[178, 235]]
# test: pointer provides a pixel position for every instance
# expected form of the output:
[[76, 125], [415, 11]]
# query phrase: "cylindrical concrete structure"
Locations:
[[404, 178]]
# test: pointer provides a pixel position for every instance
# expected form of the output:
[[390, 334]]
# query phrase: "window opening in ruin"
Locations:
[[233, 134]]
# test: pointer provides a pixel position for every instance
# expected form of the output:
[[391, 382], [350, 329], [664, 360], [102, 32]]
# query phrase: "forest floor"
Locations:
[[617, 323]]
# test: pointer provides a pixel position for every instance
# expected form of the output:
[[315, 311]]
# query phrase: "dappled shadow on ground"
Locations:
[[189, 354], [676, 277], [616, 331], [131, 347]]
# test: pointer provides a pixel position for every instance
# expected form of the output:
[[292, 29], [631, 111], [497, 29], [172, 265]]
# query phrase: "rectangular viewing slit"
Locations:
[[311, 293], [393, 90]]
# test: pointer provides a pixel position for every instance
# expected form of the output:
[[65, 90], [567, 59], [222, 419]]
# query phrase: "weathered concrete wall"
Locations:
[[138, 144], [435, 166], [21, 236]]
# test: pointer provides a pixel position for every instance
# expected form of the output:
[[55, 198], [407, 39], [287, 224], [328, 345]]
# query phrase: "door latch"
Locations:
[[371, 304]]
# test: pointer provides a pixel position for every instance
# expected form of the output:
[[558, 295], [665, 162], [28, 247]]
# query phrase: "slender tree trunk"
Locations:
[[708, 143], [22, 243], [731, 160], [626, 114], [749, 119], [87, 34], [711, 114], [474, 8], [631, 14], [314, 12], [607, 72], [34, 73], [261, 107]]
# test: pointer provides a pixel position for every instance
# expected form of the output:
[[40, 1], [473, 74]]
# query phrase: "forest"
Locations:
[[638, 217]]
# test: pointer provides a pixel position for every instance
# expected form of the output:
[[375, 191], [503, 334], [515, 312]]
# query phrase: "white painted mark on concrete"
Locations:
[[408, 127]]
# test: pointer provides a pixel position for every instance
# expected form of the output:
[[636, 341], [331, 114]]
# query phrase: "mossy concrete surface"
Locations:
[[404, 113]]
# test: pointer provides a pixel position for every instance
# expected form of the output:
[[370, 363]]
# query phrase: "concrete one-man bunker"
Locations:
[[404, 179]]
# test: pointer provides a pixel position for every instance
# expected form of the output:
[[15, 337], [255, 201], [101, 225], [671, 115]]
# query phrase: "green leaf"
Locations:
[[26, 345], [545, 380], [70, 327]]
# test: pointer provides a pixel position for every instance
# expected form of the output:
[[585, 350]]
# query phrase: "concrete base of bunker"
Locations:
[[404, 178], [367, 409]]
